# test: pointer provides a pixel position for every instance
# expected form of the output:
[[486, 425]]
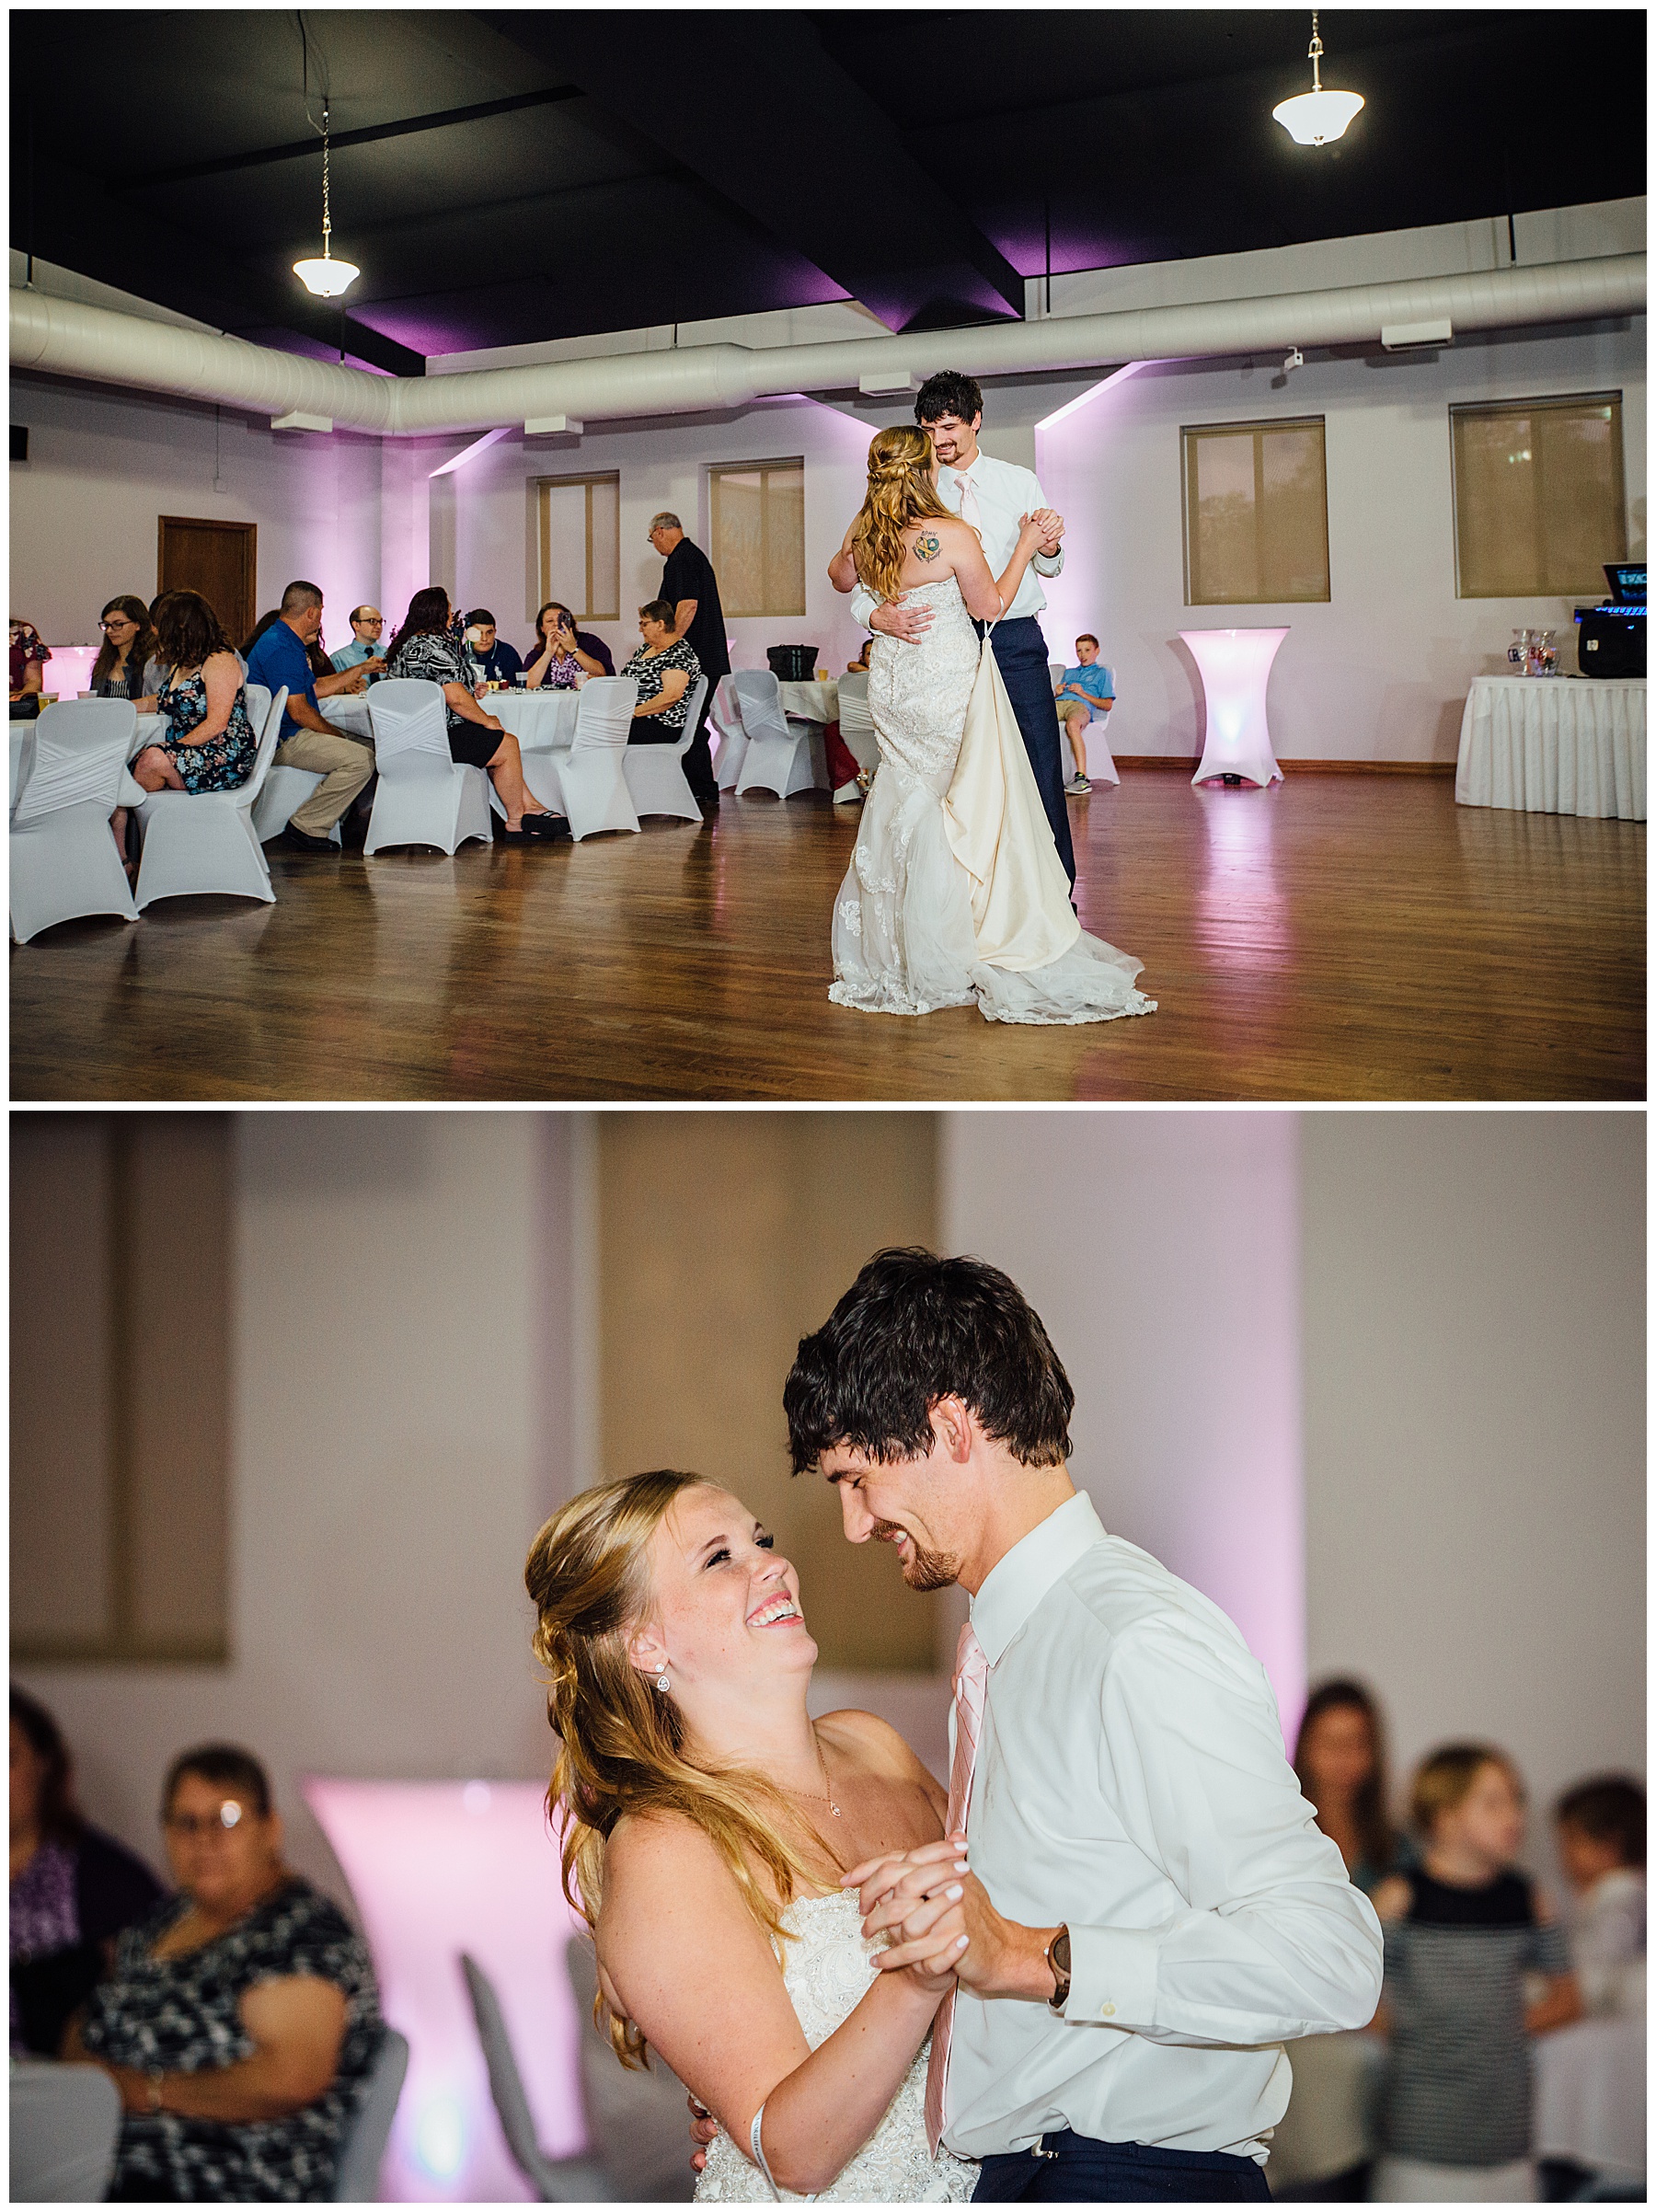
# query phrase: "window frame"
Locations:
[[1188, 434], [543, 523], [795, 465], [1551, 400]]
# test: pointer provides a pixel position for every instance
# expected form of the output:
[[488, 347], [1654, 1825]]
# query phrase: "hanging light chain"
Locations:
[[1314, 52], [326, 225]]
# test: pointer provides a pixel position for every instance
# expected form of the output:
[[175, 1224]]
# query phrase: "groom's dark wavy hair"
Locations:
[[910, 1329], [950, 392]]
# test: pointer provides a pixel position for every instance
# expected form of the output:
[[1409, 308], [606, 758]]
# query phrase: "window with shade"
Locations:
[[580, 521], [758, 551], [120, 1386], [1540, 495], [1256, 511]]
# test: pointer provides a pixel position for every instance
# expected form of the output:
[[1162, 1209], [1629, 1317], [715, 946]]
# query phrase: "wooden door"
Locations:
[[218, 559]]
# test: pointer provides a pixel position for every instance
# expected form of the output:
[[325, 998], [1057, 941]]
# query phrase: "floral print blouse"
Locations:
[[434, 657], [650, 668], [226, 762], [180, 2015]]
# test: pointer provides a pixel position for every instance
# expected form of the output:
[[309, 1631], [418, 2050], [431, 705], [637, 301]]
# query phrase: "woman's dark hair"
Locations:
[[912, 1329], [188, 630], [1376, 1833], [226, 1766], [659, 610], [315, 653], [264, 623], [58, 1816], [948, 393], [427, 615], [1610, 1809], [542, 644], [138, 652]]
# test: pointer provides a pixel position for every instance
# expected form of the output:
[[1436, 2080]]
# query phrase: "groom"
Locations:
[[994, 497], [1151, 1908]]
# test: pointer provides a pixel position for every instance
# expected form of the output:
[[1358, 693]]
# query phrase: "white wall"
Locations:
[[1474, 1429], [401, 1406], [1160, 1249]]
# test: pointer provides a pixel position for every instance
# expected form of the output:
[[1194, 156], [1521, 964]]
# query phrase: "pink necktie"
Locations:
[[969, 501], [972, 1679]]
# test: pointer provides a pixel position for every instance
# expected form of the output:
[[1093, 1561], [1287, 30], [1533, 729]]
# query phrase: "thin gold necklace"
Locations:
[[822, 1796]]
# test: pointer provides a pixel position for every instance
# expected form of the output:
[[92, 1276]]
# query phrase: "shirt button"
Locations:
[[1108, 2011]]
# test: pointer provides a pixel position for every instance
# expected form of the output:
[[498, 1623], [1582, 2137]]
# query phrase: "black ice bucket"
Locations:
[[793, 663]]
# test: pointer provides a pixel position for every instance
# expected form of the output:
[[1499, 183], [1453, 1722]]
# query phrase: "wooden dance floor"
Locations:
[[1340, 936]]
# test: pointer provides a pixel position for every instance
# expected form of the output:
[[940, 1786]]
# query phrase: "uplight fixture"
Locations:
[[322, 274], [1317, 118]]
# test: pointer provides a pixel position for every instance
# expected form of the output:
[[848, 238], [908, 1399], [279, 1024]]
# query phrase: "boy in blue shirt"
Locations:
[[1086, 691]]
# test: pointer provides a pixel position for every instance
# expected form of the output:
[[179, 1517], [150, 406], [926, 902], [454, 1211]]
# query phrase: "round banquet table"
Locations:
[[348, 710], [1590, 2080], [810, 702], [1554, 745], [540, 720], [1235, 668]]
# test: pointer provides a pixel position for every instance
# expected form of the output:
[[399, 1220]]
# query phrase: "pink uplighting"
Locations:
[[69, 670], [1236, 669], [436, 1868]]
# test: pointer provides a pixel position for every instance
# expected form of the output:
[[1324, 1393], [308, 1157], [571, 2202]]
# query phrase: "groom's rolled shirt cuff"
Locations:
[[1048, 564], [1112, 1976], [863, 604]]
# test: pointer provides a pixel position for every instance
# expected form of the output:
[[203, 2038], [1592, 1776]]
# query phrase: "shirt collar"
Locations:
[[1016, 1583]]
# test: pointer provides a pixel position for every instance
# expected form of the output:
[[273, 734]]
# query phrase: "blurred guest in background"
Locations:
[[1601, 1829], [1464, 1928], [860, 665], [493, 660], [367, 625], [664, 668], [1087, 690], [281, 655], [561, 651], [241, 2019], [208, 744], [28, 658], [691, 588], [1340, 1757], [73, 1890], [128, 642]]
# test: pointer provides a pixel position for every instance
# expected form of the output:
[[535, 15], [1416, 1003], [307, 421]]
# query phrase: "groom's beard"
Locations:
[[922, 1570]]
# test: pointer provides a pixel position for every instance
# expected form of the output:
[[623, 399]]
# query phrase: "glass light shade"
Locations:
[[1314, 119], [327, 276]]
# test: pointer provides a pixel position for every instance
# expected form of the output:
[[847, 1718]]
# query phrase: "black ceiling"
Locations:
[[508, 176]]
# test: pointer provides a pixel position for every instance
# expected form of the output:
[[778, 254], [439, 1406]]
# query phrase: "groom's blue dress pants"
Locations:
[[1021, 655], [1069, 2169]]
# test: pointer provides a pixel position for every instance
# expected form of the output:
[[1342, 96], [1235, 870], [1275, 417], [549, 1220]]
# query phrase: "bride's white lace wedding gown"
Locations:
[[827, 1970], [955, 895]]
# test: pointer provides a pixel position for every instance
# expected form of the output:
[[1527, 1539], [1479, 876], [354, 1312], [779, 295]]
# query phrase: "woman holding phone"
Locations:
[[557, 655]]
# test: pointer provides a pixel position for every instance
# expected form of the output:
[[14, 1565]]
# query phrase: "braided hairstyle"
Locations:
[[901, 491], [623, 1744]]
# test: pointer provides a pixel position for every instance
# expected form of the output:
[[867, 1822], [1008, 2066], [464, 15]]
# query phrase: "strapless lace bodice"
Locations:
[[828, 1968], [917, 692]]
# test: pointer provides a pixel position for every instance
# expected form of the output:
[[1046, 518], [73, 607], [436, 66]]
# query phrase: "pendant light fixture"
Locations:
[[1317, 118], [323, 274]]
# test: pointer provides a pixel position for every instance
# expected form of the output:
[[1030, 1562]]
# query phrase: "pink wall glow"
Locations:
[[438, 1868], [69, 670]]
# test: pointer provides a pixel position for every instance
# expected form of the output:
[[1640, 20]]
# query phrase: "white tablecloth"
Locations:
[[1590, 2078], [539, 720], [348, 710], [1554, 745], [810, 702]]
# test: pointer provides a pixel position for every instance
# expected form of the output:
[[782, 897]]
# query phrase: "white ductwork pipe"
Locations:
[[63, 338]]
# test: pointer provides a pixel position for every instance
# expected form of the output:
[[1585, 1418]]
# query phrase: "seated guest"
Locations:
[[241, 2019], [29, 657], [493, 660], [280, 655], [1601, 1834], [427, 649], [860, 665], [128, 642], [209, 743], [73, 1889], [1087, 691], [664, 667], [561, 651], [363, 651]]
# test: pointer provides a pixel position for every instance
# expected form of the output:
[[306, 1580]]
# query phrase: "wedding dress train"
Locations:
[[955, 895]]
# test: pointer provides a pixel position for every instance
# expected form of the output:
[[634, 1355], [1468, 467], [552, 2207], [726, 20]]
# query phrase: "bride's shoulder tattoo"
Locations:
[[927, 546]]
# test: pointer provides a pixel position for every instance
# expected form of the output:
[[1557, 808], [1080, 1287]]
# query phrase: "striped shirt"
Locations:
[[1457, 2091]]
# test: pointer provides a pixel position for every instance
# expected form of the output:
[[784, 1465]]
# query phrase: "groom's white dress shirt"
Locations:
[[1131, 1781], [994, 496]]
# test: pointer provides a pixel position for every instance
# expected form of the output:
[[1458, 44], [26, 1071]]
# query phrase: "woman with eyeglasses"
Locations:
[[128, 642], [240, 2019]]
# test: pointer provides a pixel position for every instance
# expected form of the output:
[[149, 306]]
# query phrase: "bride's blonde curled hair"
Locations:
[[621, 1742], [901, 491]]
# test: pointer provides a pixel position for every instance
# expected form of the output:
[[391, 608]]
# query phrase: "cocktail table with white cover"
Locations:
[[1554, 745], [1236, 669]]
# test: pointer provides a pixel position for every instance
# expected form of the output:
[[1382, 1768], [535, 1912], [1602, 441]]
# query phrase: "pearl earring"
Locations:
[[662, 1684]]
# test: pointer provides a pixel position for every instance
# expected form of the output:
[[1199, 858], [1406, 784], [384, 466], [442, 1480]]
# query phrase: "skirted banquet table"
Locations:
[[1554, 745]]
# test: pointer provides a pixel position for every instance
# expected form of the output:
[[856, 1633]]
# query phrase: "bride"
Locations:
[[955, 895], [708, 1824]]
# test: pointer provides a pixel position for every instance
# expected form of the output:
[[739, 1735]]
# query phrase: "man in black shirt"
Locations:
[[688, 581]]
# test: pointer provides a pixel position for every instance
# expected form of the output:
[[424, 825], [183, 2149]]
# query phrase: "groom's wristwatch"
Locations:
[[1058, 1959]]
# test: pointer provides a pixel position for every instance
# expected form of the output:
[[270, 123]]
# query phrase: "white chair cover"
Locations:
[[71, 779], [204, 841], [726, 720], [588, 783], [356, 2177], [424, 796], [65, 2119], [655, 773], [285, 790], [778, 757], [554, 2181], [857, 724]]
